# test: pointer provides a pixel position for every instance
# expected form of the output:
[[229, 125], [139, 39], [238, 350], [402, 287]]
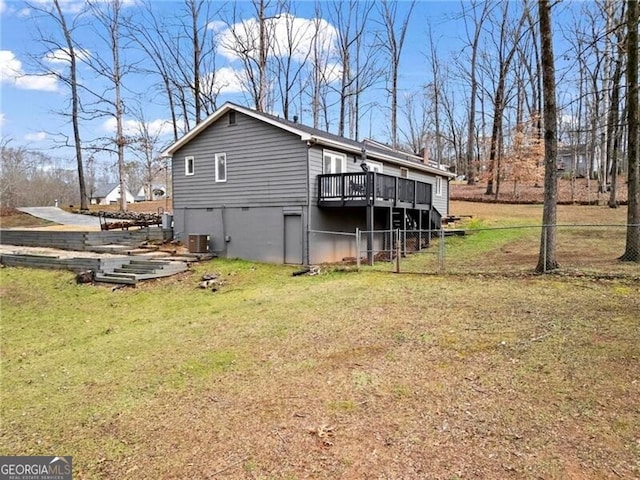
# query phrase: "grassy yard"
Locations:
[[340, 375]]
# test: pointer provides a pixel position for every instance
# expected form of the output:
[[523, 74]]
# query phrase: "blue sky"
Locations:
[[29, 102]]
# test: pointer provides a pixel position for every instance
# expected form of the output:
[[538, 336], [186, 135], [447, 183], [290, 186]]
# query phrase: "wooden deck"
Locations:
[[372, 189]]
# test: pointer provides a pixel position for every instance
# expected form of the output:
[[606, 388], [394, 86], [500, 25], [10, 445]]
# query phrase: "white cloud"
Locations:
[[46, 83], [10, 66], [3, 119], [131, 127], [216, 26], [67, 6], [226, 80], [3, 7], [62, 56], [11, 73], [290, 35], [35, 137]]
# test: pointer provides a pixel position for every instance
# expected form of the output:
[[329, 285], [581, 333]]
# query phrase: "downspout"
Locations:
[[448, 196], [224, 230], [308, 232]]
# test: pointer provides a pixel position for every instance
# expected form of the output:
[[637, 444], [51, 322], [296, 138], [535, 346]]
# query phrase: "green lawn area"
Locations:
[[340, 375]]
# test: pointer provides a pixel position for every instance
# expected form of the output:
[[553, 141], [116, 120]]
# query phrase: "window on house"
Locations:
[[221, 167], [189, 166], [334, 162], [232, 117], [404, 172], [439, 186]]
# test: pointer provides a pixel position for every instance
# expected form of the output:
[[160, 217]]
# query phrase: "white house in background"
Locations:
[[158, 192], [110, 193]]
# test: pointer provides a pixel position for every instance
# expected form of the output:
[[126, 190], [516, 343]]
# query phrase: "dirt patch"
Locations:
[[12, 218]]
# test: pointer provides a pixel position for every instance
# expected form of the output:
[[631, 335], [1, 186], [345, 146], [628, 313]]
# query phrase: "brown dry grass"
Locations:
[[16, 219], [583, 192], [346, 376], [505, 238], [154, 206], [341, 375]]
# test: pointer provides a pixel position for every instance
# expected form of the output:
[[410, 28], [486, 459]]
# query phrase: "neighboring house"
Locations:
[[573, 158], [157, 192], [269, 189], [110, 193]]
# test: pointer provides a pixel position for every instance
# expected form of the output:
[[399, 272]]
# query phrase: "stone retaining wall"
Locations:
[[59, 263], [80, 241]]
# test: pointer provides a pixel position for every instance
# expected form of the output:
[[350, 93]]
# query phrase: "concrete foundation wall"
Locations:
[[252, 233]]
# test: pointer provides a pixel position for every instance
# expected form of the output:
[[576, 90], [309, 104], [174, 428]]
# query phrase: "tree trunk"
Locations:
[[75, 106], [613, 146], [496, 131], [632, 248], [196, 60], [119, 107], [547, 259]]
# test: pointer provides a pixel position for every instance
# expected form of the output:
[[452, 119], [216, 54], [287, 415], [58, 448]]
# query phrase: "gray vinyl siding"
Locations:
[[441, 203], [266, 166]]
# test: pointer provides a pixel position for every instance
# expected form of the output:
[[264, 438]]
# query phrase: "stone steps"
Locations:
[[132, 271]]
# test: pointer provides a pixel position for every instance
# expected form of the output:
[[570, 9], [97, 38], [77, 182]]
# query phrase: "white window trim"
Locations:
[[438, 186], [216, 156], [189, 161], [335, 155]]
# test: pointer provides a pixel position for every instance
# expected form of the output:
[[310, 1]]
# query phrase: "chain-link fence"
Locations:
[[578, 250]]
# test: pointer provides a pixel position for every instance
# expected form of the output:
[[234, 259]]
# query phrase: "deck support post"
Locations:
[[420, 230], [404, 227], [370, 226]]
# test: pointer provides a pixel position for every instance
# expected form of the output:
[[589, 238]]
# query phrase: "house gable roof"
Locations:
[[373, 150], [105, 189]]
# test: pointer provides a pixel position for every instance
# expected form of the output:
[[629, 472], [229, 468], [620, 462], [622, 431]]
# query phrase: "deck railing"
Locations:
[[372, 188]]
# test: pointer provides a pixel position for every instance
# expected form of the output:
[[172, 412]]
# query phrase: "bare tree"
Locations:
[[146, 146], [614, 130], [153, 37], [14, 166], [547, 258], [393, 42], [66, 52], [435, 88], [415, 110], [632, 247], [30, 178], [252, 42], [108, 16], [290, 58], [322, 69], [478, 16], [358, 71], [506, 47]]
